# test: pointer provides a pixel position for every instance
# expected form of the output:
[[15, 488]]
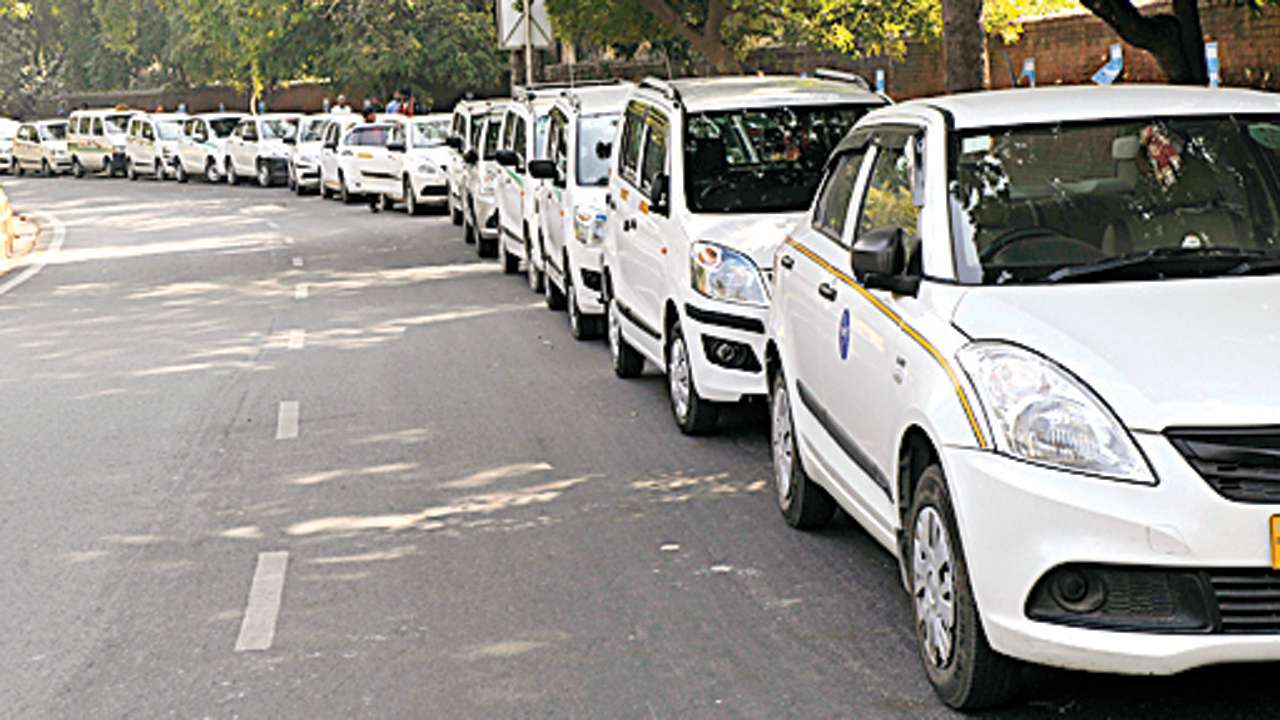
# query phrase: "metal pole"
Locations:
[[528, 43]]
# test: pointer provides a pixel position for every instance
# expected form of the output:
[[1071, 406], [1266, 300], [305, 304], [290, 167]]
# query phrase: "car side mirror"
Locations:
[[454, 141], [471, 157], [542, 169], [396, 147], [603, 150], [506, 158], [879, 259], [661, 194]]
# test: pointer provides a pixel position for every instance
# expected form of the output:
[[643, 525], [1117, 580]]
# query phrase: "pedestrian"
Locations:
[[324, 107], [397, 100], [342, 106], [182, 108]]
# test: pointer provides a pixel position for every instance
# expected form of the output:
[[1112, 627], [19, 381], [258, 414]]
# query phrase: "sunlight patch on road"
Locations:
[[394, 553], [324, 476], [488, 477]]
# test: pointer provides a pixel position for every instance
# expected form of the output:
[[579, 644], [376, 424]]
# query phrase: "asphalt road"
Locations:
[[480, 521]]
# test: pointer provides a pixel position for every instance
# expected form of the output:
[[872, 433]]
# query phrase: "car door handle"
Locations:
[[827, 291], [787, 262]]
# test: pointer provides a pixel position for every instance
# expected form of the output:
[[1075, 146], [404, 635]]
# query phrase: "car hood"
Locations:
[[756, 235], [1162, 354], [438, 155], [55, 144]]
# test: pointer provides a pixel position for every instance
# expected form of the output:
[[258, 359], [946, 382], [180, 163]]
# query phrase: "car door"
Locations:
[[246, 154], [149, 151], [858, 385], [556, 209], [625, 202], [23, 146], [509, 184], [653, 227]]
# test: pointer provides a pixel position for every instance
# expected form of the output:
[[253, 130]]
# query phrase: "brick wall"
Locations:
[[1068, 49]]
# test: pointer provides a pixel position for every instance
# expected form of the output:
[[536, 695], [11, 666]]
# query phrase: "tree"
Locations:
[[964, 45]]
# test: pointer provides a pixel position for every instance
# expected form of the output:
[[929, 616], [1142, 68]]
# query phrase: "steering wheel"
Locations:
[[1036, 232]]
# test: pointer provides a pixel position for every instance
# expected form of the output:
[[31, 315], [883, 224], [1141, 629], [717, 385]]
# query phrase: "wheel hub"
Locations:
[[678, 377], [932, 568], [782, 444]]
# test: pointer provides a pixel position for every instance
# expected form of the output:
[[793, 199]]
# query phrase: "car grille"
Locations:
[[1242, 464], [1248, 600]]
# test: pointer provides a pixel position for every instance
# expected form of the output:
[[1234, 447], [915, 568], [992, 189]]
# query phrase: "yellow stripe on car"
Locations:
[[906, 328]]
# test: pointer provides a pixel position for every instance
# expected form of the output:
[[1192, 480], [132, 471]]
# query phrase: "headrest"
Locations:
[[1124, 147]]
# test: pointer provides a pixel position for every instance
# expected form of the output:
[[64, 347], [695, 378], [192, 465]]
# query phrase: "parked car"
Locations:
[[202, 149], [306, 149], [480, 209], [8, 129], [331, 170], [1026, 339], [151, 147], [423, 170], [369, 160], [572, 210], [706, 177], [96, 140], [465, 128], [41, 146], [521, 140], [257, 148]]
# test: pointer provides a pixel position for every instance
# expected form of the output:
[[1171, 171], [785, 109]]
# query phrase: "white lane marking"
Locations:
[[297, 262], [287, 420], [59, 234], [297, 338], [288, 241], [258, 629], [301, 292]]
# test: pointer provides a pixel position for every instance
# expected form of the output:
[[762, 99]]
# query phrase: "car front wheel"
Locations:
[[627, 361], [531, 271], [694, 415], [805, 505], [965, 672]]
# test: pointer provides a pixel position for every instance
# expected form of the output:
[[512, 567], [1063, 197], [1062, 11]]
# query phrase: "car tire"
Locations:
[[344, 195], [180, 173], [76, 168], [411, 206], [627, 361], [468, 232], [325, 192], [263, 175], [160, 174], [232, 178], [18, 169], [456, 215], [535, 276], [130, 171], [804, 504], [211, 172], [510, 263], [694, 414], [553, 295], [965, 672], [385, 203], [45, 169], [581, 327]]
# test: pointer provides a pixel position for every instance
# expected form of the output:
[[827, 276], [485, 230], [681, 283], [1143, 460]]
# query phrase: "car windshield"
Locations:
[[491, 139], [169, 130], [1133, 199], [595, 136], [541, 127], [53, 132], [761, 159], [116, 124], [430, 133], [312, 130], [278, 129], [224, 126]]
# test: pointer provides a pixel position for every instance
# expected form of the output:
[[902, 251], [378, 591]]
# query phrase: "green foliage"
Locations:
[[1004, 17]]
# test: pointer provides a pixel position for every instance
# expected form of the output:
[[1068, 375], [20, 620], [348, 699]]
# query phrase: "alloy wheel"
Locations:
[[679, 377], [933, 580], [783, 445]]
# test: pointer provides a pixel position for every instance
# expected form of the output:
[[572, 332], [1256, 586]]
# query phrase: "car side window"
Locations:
[[558, 147], [655, 152], [519, 140], [97, 126], [832, 209], [509, 130], [148, 132], [888, 200], [250, 131], [632, 134]]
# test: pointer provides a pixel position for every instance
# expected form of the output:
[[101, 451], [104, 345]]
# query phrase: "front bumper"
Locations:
[[709, 324], [586, 261], [307, 176], [486, 216], [430, 189], [278, 167], [1019, 521]]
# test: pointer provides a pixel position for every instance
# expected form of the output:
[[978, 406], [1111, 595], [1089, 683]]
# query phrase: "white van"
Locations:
[[422, 172], [96, 139], [203, 145], [41, 146], [331, 170], [257, 148], [152, 145], [8, 128]]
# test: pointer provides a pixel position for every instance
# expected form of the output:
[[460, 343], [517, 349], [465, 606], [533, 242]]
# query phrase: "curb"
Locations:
[[26, 236]]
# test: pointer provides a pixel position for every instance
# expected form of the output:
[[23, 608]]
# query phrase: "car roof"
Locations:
[[51, 121], [432, 117], [105, 111], [721, 93], [219, 116], [1029, 106], [599, 98], [169, 116]]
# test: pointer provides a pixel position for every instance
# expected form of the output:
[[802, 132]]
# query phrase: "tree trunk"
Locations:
[[1176, 41], [706, 39], [964, 45]]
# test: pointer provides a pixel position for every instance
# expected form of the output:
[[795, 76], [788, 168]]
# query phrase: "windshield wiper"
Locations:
[[1267, 264], [1155, 256]]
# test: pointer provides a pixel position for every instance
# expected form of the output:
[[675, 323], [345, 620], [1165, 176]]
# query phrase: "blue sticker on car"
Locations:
[[844, 335]]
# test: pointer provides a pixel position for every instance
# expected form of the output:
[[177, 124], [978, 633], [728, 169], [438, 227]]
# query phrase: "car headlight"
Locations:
[[588, 225], [1040, 412], [724, 274]]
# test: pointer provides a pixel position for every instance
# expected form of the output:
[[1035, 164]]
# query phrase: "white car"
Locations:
[[464, 127], [257, 148], [369, 160], [202, 150], [8, 129], [705, 178], [41, 146], [479, 183], [1027, 339], [331, 157], [306, 148], [423, 169], [572, 211], [522, 140], [151, 147], [96, 139]]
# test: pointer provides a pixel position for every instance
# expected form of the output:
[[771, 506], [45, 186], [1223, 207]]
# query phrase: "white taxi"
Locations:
[[331, 146], [464, 127], [8, 129], [706, 176], [151, 147], [479, 184], [573, 213], [96, 139], [257, 148], [1028, 340], [369, 160], [203, 146], [41, 146], [523, 140], [422, 168], [306, 149]]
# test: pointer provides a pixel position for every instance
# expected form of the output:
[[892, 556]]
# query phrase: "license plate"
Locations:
[[1275, 542]]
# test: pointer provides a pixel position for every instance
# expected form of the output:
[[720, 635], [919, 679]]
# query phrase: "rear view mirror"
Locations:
[[471, 157], [507, 158], [879, 259], [454, 141], [542, 169]]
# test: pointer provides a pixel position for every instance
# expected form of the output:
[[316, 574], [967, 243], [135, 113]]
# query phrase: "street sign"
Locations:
[[1108, 73], [1211, 64], [514, 33]]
